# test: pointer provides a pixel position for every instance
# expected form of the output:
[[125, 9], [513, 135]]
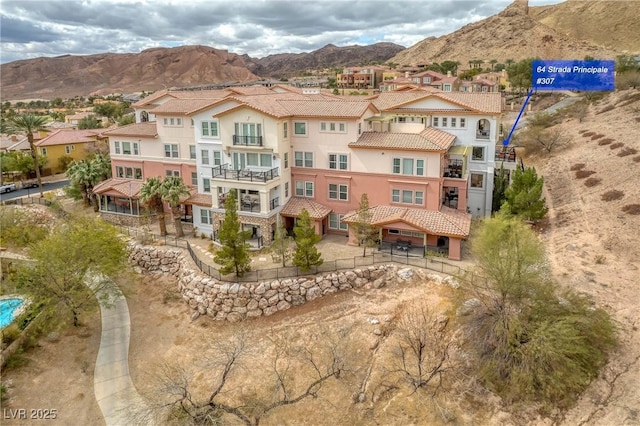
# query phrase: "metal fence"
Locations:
[[26, 201], [375, 258]]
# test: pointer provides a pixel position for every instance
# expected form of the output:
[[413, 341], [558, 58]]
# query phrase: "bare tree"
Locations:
[[295, 373], [537, 138]]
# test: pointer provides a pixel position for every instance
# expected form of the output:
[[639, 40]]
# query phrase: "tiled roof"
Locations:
[[184, 106], [67, 136], [295, 205], [429, 139], [149, 99], [480, 102], [203, 200], [147, 129], [125, 187], [447, 222], [326, 108]]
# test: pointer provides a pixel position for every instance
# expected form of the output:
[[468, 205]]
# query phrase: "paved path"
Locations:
[[115, 392]]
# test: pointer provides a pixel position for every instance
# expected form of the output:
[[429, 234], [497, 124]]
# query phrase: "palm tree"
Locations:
[[30, 124], [151, 196], [102, 163], [173, 189]]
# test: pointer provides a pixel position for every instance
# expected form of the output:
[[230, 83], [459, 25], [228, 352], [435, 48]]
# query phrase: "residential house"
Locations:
[[65, 145]]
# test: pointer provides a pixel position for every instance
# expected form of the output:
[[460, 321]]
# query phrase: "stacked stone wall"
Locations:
[[238, 301]]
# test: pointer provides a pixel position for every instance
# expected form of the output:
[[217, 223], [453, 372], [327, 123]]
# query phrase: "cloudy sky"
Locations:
[[34, 28]]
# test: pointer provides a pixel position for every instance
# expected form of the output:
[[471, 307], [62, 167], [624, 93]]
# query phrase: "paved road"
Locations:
[[49, 186], [120, 402]]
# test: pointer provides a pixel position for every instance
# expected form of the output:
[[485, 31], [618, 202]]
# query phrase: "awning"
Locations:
[[460, 150]]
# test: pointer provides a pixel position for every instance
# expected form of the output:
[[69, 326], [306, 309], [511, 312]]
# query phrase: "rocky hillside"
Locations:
[[152, 69], [290, 64], [516, 33]]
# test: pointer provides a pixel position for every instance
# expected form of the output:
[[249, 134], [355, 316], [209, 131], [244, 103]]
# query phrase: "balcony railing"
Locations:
[[247, 140], [482, 134], [506, 154], [454, 169], [226, 171], [274, 203]]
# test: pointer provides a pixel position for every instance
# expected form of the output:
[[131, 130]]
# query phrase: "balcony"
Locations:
[[454, 169], [247, 140], [250, 202], [506, 154], [482, 134], [226, 171]]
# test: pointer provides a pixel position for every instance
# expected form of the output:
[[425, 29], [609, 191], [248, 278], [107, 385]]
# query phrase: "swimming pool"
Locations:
[[8, 308]]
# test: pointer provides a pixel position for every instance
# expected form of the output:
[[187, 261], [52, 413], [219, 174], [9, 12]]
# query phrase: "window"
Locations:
[[266, 160], [395, 195], [209, 129], [116, 147], [333, 127], [217, 158], [286, 189], [303, 159], [342, 127], [359, 128], [204, 154], [300, 128], [478, 153], [323, 126], [426, 80], [407, 197], [126, 148], [192, 152], [338, 161], [396, 165], [171, 150], [338, 192], [477, 180], [136, 149], [419, 198], [447, 88], [407, 166], [170, 173], [335, 222], [453, 122], [463, 122], [194, 178], [444, 121], [420, 167], [206, 185], [435, 122], [44, 151], [172, 121], [285, 129], [286, 160], [67, 149], [129, 172], [205, 217], [304, 189]]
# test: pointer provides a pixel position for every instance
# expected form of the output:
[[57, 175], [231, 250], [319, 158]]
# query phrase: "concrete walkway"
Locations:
[[120, 402]]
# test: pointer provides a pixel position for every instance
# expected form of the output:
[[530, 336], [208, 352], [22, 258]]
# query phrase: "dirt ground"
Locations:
[[593, 246]]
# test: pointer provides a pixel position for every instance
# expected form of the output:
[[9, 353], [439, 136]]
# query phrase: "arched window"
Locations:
[[144, 116]]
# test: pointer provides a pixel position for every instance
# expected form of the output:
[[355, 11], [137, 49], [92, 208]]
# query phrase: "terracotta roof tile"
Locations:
[[147, 129], [429, 139], [447, 222], [203, 200], [480, 102], [295, 205], [184, 106], [123, 187], [326, 108], [69, 136]]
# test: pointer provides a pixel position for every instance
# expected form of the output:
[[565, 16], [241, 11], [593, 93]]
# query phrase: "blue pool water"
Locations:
[[7, 308]]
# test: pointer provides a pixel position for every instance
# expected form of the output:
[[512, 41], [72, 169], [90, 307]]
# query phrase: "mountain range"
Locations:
[[573, 29]]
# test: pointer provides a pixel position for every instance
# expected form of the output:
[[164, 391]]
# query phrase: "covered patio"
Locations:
[[317, 212], [415, 232]]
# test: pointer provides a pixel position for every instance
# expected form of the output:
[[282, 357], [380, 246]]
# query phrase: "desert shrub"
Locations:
[[629, 99], [612, 195], [581, 174], [592, 181], [627, 151], [616, 145], [628, 79], [542, 119], [577, 166], [587, 134], [605, 141], [582, 131], [633, 209], [596, 136], [636, 159], [606, 109], [9, 334]]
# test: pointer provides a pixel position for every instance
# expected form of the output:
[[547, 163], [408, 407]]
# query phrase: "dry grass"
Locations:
[[606, 141], [582, 131], [596, 136], [592, 181], [627, 151], [636, 159], [577, 166], [633, 209], [612, 195], [587, 134], [581, 174], [606, 108], [616, 145]]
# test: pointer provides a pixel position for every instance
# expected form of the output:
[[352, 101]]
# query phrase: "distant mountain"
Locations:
[[329, 56], [520, 32]]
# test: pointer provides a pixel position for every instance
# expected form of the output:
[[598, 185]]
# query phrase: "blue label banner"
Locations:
[[592, 75]]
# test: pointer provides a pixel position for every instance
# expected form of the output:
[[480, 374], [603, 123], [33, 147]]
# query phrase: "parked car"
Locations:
[[30, 184], [7, 187]]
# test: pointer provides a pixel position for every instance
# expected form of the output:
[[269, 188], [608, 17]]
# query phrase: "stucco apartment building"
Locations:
[[424, 158]]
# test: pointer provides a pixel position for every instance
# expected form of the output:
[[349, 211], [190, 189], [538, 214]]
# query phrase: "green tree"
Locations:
[[30, 124], [126, 119], [80, 252], [520, 74], [529, 340], [85, 175], [500, 184], [282, 242], [173, 190], [89, 122], [306, 254], [365, 232], [151, 196], [524, 196], [234, 254]]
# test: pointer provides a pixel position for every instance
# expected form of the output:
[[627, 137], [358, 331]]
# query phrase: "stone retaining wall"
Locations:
[[237, 301]]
